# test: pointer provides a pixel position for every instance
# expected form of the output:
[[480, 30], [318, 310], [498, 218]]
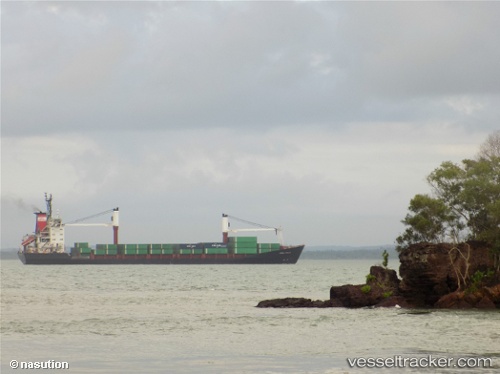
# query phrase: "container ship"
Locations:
[[46, 246]]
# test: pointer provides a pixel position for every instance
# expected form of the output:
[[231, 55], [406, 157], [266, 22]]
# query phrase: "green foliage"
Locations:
[[427, 222], [366, 288], [466, 204], [385, 257], [478, 279], [370, 278], [387, 294]]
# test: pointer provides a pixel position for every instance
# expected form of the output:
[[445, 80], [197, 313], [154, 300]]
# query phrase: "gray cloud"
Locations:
[[175, 65]]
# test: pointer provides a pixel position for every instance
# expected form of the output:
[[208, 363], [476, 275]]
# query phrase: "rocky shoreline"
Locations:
[[432, 276]]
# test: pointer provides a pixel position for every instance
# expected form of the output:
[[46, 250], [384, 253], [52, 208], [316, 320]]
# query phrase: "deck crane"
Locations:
[[114, 222], [259, 227]]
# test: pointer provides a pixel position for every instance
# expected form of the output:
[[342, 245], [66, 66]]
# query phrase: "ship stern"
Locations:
[[22, 257]]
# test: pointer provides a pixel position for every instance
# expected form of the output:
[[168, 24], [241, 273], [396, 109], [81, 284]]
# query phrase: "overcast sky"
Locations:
[[321, 117]]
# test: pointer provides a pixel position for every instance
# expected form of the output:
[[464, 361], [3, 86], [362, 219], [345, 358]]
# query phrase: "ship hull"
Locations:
[[286, 255]]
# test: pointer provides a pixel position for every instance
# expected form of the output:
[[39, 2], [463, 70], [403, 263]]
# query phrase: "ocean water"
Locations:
[[203, 319]]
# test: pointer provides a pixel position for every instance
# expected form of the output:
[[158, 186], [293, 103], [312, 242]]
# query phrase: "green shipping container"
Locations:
[[244, 246], [81, 245], [216, 251], [84, 250], [156, 251], [166, 251], [268, 247], [107, 246], [243, 239], [142, 251], [100, 252], [245, 250], [185, 251], [197, 251]]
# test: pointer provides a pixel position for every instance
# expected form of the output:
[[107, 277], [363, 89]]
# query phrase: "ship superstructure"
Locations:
[[49, 230]]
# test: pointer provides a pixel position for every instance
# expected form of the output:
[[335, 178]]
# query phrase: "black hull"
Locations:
[[287, 255]]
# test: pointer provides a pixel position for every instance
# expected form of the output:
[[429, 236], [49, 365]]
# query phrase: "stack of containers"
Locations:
[[81, 249], [121, 249], [167, 249], [215, 248], [112, 249], [106, 249], [243, 244], [154, 249], [142, 249], [268, 247], [129, 249], [188, 249], [100, 249], [134, 249]]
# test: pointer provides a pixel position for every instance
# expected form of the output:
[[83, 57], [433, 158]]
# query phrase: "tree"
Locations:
[[428, 221], [481, 198], [491, 147]]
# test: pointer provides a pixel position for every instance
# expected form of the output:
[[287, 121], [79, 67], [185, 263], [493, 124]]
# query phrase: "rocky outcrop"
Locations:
[[295, 302], [381, 284], [433, 275], [483, 298], [431, 271], [381, 289]]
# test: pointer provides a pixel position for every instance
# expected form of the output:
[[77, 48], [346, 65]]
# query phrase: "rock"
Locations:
[[382, 284], [350, 296], [293, 302], [386, 278], [483, 298], [284, 303], [486, 303], [493, 294], [431, 271], [451, 301]]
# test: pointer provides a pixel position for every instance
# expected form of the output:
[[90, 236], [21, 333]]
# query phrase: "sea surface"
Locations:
[[203, 319]]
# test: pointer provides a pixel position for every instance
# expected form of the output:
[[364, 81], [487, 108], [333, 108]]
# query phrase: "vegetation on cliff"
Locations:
[[464, 205]]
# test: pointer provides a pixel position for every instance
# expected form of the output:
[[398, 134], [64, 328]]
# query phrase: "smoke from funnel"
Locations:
[[19, 203]]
